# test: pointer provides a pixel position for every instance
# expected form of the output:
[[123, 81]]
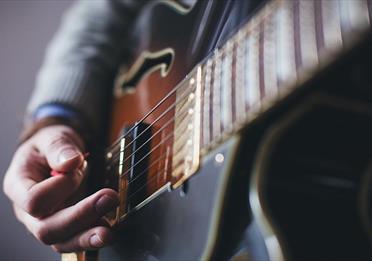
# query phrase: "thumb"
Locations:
[[61, 146]]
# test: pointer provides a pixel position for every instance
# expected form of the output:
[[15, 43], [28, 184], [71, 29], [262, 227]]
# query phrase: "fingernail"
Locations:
[[96, 241], [67, 154], [105, 204], [84, 166]]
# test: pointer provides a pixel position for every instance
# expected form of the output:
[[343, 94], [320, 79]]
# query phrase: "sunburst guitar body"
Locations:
[[259, 149]]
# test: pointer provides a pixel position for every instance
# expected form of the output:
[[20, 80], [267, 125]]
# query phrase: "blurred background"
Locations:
[[25, 29]]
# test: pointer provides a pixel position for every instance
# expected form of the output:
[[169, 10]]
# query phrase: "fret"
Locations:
[[285, 52], [358, 14], [331, 26], [308, 49], [216, 97], [284, 42], [206, 103], [239, 87], [269, 58], [319, 34], [226, 87], [354, 18], [252, 81]]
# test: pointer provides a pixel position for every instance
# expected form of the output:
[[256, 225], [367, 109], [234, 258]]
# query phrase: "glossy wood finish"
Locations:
[[163, 228]]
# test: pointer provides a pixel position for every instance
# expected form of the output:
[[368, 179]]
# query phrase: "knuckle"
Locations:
[[31, 206], [58, 143], [57, 248], [63, 133], [42, 233]]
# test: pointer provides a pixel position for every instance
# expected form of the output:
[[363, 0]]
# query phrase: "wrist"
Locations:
[[34, 126], [56, 114]]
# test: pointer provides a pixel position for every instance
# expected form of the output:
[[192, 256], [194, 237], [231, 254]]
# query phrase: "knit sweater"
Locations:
[[82, 59]]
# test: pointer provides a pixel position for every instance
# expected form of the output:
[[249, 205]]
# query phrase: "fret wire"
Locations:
[[202, 101], [239, 77], [286, 61], [226, 94], [296, 33], [206, 103], [331, 25], [359, 17], [216, 97], [261, 65], [270, 74], [233, 80], [309, 50], [252, 83], [319, 24]]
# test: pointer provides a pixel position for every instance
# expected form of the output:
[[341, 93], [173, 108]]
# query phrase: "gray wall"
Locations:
[[25, 29]]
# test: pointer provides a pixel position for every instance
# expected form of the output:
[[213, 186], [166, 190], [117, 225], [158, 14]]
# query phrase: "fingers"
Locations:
[[26, 186], [61, 146], [71, 228], [40, 199], [28, 183], [88, 240]]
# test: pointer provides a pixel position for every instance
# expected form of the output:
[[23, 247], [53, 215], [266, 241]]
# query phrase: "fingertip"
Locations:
[[108, 192], [69, 159], [101, 237]]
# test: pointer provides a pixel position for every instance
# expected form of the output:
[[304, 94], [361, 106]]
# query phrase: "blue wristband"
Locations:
[[55, 110]]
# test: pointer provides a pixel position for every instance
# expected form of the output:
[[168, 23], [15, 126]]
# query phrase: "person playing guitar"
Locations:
[[181, 83]]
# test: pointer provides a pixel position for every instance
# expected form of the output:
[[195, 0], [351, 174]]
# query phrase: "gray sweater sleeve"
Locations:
[[83, 56]]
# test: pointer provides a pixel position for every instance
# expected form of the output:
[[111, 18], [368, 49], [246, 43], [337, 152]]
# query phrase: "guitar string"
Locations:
[[162, 156], [148, 167], [148, 181], [181, 99], [147, 154], [117, 141], [117, 156], [142, 173]]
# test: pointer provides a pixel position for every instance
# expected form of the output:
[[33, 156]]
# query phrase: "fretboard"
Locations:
[[282, 46]]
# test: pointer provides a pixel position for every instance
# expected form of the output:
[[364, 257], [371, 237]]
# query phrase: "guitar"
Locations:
[[260, 149]]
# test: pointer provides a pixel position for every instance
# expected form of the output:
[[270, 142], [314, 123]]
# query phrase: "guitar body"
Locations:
[[295, 183]]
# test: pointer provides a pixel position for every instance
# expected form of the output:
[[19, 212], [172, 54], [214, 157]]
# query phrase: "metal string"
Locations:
[[162, 156], [181, 99], [117, 156], [117, 141]]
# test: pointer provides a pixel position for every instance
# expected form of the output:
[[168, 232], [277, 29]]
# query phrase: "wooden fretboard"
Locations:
[[283, 45], [277, 50]]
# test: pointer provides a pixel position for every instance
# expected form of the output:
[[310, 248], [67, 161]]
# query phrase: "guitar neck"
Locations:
[[268, 58], [277, 50]]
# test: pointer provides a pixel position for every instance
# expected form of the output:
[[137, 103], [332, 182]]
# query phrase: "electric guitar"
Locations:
[[260, 149]]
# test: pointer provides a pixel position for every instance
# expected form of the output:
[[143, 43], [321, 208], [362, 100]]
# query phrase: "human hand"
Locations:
[[43, 202]]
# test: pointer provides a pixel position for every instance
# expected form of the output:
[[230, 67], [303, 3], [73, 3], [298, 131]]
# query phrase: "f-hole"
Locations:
[[145, 64]]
